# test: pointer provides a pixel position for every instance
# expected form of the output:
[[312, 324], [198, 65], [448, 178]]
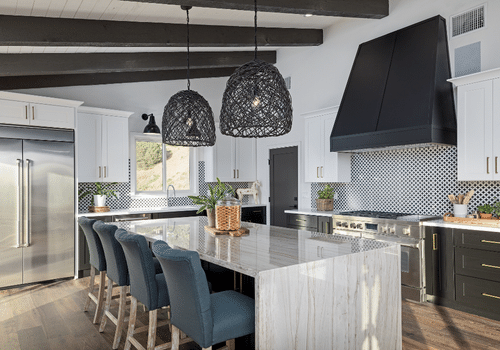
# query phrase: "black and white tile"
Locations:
[[416, 180]]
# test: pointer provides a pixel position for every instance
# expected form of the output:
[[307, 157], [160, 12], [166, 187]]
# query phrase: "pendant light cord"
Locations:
[[187, 40], [255, 29]]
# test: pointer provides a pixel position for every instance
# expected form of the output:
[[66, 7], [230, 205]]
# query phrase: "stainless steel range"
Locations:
[[405, 229]]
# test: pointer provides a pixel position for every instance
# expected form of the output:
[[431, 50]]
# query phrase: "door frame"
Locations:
[[300, 175]]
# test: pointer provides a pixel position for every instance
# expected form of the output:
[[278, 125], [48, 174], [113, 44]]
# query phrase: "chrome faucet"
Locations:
[[168, 189]]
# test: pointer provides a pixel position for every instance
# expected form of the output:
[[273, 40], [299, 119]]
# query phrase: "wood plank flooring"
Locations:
[[50, 316]]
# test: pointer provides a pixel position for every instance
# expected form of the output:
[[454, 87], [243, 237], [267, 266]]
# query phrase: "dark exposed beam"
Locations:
[[44, 31], [343, 8], [40, 81], [89, 63]]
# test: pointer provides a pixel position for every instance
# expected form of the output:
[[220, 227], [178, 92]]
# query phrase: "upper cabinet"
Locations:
[[478, 121], [232, 159], [321, 165], [102, 139], [32, 110]]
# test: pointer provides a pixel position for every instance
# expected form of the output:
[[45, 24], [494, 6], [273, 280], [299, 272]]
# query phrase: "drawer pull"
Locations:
[[434, 241], [301, 220], [489, 296], [492, 266], [492, 242]]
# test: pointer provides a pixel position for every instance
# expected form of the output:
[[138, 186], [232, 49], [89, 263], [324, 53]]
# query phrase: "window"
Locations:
[[155, 166]]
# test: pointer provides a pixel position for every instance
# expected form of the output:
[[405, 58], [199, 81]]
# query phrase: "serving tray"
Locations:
[[470, 221], [236, 233]]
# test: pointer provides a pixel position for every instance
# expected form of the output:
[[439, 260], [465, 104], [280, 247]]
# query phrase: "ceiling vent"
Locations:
[[468, 21]]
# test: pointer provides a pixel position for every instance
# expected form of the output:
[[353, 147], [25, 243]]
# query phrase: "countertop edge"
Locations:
[[442, 223]]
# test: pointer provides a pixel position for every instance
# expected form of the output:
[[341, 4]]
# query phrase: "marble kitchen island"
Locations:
[[312, 290]]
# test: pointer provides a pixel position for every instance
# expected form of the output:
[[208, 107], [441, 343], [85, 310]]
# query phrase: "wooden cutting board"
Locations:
[[470, 221], [99, 209], [236, 233]]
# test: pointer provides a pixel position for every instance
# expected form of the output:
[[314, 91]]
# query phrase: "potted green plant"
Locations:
[[486, 211], [98, 194], [207, 202], [325, 199], [496, 209]]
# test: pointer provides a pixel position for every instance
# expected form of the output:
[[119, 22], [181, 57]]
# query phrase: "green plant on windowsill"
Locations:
[[101, 189], [326, 193]]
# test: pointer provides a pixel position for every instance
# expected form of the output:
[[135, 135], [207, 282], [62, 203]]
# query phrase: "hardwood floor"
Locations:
[[50, 316]]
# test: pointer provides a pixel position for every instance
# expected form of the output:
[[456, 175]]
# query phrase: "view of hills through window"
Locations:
[[149, 166]]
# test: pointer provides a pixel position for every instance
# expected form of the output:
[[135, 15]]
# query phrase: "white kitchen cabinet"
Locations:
[[232, 159], [102, 144], [321, 165], [21, 109], [478, 121]]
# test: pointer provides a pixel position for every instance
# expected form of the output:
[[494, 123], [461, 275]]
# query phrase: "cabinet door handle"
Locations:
[[492, 266], [434, 241], [33, 112], [487, 165], [99, 172], [490, 296], [492, 242], [326, 224], [496, 165], [105, 171], [26, 111], [238, 173], [317, 172]]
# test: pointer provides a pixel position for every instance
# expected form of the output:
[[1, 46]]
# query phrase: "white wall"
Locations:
[[319, 74], [147, 97]]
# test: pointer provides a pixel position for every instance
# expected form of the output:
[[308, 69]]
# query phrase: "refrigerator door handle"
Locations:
[[19, 201], [28, 205]]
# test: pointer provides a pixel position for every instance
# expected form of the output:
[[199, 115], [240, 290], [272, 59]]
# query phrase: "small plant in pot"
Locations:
[[325, 199], [98, 194], [496, 208], [208, 202], [486, 211]]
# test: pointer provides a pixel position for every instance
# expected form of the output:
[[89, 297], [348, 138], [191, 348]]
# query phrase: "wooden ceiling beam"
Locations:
[[337, 8], [45, 31], [90, 63], [47, 81]]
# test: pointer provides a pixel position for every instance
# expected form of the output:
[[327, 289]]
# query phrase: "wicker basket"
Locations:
[[324, 204], [227, 218]]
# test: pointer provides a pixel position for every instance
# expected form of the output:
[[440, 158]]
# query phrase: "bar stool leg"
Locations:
[[175, 338], [91, 289], [131, 322], [230, 344], [121, 316], [153, 319], [100, 297], [109, 296]]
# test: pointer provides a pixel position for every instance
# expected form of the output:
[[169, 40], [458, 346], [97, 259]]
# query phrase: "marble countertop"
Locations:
[[264, 248], [442, 223], [313, 212], [153, 210]]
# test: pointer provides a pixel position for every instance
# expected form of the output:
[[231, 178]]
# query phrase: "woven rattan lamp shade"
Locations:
[[256, 102], [188, 120]]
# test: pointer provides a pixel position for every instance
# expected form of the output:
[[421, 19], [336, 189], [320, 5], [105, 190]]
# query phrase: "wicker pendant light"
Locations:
[[256, 102], [188, 119]]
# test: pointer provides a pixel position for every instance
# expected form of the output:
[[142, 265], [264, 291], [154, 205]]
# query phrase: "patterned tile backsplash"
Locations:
[[126, 201], [415, 181]]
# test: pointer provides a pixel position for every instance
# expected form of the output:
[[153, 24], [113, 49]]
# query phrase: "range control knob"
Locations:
[[344, 224], [353, 225], [384, 229], [406, 231], [392, 230], [359, 226], [338, 224]]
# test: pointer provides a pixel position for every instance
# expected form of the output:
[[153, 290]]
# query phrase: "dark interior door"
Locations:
[[283, 181]]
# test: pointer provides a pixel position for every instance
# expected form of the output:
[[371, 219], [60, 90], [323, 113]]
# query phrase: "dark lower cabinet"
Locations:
[[439, 261], [256, 215], [323, 224], [463, 270], [177, 214]]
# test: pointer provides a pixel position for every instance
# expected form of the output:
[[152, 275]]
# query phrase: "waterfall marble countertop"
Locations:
[[442, 223], [312, 290], [153, 210]]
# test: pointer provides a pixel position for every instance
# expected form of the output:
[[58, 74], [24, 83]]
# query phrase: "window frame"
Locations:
[[193, 169]]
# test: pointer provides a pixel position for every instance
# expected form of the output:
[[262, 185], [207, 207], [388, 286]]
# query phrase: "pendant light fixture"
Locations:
[[256, 102], [188, 119]]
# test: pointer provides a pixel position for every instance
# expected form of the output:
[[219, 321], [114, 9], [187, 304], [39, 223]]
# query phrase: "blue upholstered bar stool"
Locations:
[[146, 286], [117, 272], [206, 318], [97, 261]]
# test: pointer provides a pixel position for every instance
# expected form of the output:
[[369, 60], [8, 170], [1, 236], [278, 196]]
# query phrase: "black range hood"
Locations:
[[397, 95]]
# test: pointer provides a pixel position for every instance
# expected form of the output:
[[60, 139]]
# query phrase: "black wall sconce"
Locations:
[[151, 128]]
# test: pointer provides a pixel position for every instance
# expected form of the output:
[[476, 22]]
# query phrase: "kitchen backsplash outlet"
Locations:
[[126, 201], [415, 181]]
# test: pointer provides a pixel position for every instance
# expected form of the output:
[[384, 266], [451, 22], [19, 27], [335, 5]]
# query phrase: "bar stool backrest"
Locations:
[[96, 251], [188, 291], [116, 263], [140, 267]]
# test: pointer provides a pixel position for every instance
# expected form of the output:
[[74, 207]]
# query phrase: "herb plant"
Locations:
[[216, 193], [326, 193], [101, 189], [486, 209]]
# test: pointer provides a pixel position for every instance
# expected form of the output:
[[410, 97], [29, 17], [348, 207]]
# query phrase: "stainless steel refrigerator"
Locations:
[[37, 215]]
